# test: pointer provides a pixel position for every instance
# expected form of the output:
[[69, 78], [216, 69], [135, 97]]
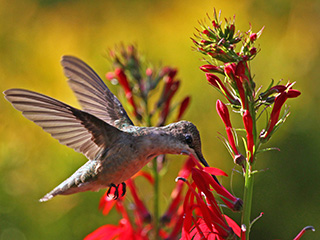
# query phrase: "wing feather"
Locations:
[[92, 93], [72, 127]]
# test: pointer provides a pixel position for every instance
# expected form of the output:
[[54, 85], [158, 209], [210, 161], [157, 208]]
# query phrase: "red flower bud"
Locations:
[[230, 69], [183, 106], [223, 113], [253, 51], [149, 72], [292, 93], [253, 37], [205, 32], [248, 124], [210, 68]]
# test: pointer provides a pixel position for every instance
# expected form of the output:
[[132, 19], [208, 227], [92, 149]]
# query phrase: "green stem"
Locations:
[[156, 199], [156, 182], [247, 199]]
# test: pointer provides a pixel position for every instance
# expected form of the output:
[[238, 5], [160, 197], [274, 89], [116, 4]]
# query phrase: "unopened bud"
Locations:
[[239, 159], [253, 37]]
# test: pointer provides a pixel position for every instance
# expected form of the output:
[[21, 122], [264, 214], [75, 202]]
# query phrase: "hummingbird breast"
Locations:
[[123, 160]]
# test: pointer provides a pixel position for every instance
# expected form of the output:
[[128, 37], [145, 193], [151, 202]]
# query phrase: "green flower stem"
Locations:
[[156, 182], [247, 199], [156, 198]]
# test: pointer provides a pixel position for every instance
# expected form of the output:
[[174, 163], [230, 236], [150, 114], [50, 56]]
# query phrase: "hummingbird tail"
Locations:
[[82, 180], [46, 197]]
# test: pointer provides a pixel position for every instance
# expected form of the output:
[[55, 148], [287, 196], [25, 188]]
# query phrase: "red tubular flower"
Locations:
[[211, 68], [212, 222], [123, 81], [230, 71], [248, 124], [278, 103], [232, 202], [212, 215], [224, 115], [177, 191], [174, 86], [183, 106], [216, 82], [253, 51], [107, 201], [303, 232], [141, 209], [240, 71], [104, 233]]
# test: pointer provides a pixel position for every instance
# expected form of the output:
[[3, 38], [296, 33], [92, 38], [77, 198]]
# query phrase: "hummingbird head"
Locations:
[[188, 136]]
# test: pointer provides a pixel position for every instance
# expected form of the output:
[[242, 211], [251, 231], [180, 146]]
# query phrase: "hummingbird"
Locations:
[[116, 149]]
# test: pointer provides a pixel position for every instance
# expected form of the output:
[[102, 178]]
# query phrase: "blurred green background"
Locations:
[[34, 34]]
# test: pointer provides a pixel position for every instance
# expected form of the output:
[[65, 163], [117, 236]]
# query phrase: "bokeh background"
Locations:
[[34, 34]]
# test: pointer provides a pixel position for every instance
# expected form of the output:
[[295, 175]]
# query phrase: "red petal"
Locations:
[[104, 233], [215, 171], [223, 113], [183, 106], [292, 93], [235, 227]]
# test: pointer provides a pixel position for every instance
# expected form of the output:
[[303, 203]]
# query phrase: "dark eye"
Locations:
[[188, 139]]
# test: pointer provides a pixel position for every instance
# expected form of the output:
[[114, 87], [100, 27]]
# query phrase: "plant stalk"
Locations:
[[156, 182], [156, 199], [247, 199]]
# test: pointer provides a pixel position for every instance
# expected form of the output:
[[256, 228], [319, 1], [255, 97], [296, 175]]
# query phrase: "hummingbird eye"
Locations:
[[188, 139]]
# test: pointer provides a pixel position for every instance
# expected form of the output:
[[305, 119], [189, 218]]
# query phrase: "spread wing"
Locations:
[[72, 127], [92, 93]]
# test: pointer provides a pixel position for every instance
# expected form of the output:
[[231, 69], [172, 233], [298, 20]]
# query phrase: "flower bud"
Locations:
[[239, 159], [253, 37]]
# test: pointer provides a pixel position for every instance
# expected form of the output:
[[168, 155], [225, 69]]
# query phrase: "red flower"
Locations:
[[205, 32], [176, 194], [202, 178], [183, 106], [240, 71], [170, 90], [303, 232], [230, 71], [253, 51], [224, 115], [217, 83], [140, 208], [248, 124], [123, 81], [209, 221], [253, 37], [278, 103], [211, 68]]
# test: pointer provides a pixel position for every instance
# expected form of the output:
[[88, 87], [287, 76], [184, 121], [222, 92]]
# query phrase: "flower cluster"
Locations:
[[228, 54], [139, 82]]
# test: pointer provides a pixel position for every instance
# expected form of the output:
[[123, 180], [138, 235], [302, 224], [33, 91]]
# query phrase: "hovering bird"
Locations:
[[102, 131]]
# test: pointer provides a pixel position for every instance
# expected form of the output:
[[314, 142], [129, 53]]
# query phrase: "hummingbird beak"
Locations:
[[202, 160], [198, 156]]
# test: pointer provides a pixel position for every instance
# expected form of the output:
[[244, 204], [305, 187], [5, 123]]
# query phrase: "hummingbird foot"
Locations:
[[116, 191]]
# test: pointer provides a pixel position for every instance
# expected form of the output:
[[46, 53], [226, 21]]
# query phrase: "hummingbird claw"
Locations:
[[116, 191], [124, 189]]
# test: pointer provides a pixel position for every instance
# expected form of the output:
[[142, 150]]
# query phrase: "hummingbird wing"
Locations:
[[93, 94], [74, 128]]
